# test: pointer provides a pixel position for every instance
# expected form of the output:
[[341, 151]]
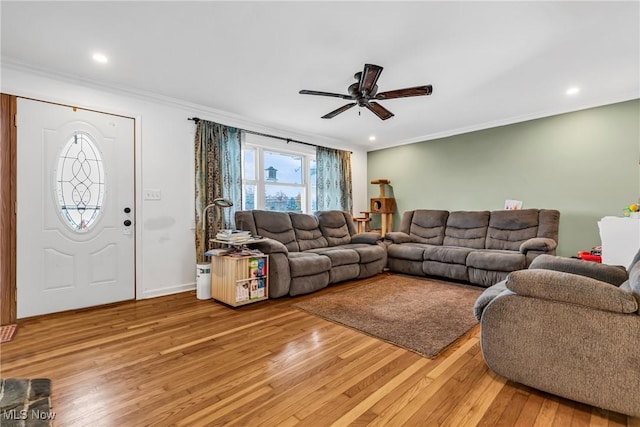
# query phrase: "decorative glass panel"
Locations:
[[80, 182]]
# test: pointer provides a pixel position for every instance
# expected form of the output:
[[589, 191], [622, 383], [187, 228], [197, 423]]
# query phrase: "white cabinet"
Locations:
[[620, 239]]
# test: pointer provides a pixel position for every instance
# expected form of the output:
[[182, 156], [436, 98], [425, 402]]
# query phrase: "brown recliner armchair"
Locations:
[[567, 327]]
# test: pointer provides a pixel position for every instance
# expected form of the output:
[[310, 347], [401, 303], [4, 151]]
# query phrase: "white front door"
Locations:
[[75, 208]]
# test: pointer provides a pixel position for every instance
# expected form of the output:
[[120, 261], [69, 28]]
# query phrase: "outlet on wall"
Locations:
[[152, 194]]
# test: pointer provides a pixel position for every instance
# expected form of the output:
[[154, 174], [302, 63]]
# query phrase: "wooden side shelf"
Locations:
[[238, 281]]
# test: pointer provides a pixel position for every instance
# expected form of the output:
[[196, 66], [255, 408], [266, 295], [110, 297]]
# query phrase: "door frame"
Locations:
[[8, 201], [8, 160]]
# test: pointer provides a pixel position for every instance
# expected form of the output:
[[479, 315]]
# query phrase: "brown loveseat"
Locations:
[[480, 247], [307, 253]]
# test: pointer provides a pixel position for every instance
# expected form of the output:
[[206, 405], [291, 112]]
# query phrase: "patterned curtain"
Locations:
[[333, 179], [218, 174]]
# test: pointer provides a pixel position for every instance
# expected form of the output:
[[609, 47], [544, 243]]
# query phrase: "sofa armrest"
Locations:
[[369, 237], [270, 246], [541, 244], [489, 295], [398, 237], [571, 289], [613, 274]]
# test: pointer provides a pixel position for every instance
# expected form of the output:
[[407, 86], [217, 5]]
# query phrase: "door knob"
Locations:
[[127, 210], [127, 223]]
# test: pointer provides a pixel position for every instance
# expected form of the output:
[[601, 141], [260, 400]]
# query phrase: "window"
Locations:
[[80, 182], [277, 179]]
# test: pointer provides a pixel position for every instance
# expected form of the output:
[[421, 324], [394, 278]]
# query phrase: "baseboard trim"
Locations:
[[153, 293]]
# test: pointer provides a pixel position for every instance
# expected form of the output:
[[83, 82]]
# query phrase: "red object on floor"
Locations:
[[586, 256]]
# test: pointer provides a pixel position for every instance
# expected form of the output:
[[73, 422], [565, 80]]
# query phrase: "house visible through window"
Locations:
[[278, 179]]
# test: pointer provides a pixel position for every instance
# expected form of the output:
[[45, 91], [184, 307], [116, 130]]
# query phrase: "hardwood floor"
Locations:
[[180, 361]]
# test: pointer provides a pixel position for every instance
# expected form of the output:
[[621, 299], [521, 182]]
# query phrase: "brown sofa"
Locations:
[[480, 247], [567, 327], [307, 252]]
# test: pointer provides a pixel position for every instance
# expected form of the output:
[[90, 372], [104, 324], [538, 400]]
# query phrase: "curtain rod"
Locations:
[[288, 140]]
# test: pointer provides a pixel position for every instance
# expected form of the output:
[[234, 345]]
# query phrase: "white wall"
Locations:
[[165, 252]]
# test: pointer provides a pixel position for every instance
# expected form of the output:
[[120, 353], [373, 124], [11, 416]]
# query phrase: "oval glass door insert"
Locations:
[[80, 182]]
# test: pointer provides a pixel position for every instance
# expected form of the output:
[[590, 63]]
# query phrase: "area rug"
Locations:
[[421, 315], [7, 332], [25, 402]]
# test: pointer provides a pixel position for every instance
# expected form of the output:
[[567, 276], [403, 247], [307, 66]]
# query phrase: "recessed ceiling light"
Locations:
[[372, 138], [100, 57], [573, 90]]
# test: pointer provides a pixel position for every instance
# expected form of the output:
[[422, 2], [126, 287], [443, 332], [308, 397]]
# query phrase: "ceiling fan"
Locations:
[[365, 92]]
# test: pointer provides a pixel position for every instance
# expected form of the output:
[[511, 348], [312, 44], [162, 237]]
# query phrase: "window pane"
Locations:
[[249, 164], [249, 197], [80, 182], [282, 168], [312, 183], [283, 198]]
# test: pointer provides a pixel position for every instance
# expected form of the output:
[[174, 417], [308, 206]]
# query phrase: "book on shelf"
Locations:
[[217, 252], [242, 291], [234, 236], [257, 289]]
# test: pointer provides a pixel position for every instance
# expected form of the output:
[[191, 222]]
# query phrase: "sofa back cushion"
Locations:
[[307, 231], [467, 229], [548, 223], [277, 226], [336, 226], [425, 225], [508, 229]]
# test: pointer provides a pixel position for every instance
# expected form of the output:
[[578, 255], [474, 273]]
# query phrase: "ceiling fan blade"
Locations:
[[369, 78], [379, 110], [338, 111], [315, 92], [404, 93]]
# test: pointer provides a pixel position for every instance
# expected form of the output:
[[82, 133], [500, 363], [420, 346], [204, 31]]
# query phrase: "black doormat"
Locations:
[[25, 402]]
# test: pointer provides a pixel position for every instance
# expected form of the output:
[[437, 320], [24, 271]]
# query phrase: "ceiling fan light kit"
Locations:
[[364, 93]]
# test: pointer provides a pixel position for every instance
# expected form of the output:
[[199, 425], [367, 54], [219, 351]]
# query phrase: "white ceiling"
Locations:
[[490, 63]]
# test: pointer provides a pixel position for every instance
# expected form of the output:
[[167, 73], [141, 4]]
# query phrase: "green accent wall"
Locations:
[[584, 164]]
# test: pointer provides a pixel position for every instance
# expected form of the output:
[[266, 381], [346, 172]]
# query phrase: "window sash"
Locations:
[[260, 183]]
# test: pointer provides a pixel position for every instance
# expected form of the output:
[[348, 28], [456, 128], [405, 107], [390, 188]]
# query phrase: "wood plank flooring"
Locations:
[[176, 360]]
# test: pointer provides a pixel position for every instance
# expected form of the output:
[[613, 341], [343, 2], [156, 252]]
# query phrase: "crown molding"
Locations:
[[202, 111], [592, 103]]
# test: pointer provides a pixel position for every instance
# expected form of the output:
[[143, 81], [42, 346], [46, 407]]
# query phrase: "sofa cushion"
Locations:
[[496, 260], [338, 255], [446, 254], [427, 226], [408, 251], [277, 226], [509, 229], [467, 229], [307, 231], [308, 264], [370, 253], [571, 289], [335, 227]]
